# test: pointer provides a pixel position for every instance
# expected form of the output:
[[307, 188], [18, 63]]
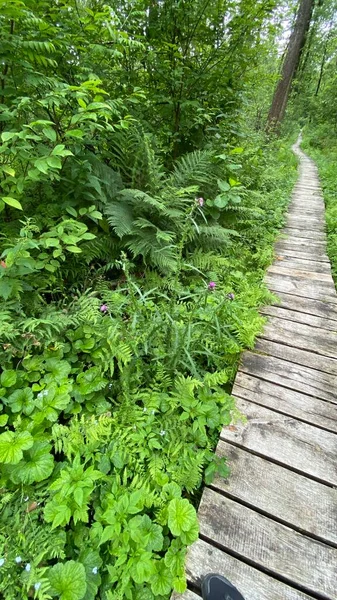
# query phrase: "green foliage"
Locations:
[[118, 208]]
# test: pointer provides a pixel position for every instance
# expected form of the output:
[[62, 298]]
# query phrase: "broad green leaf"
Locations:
[[161, 580], [146, 533], [8, 378], [50, 133], [12, 445], [37, 465], [143, 568], [54, 162], [21, 400], [3, 420], [76, 133], [57, 513], [42, 165], [12, 202], [68, 580], [8, 170], [7, 135], [74, 249], [181, 515], [221, 201], [223, 185]]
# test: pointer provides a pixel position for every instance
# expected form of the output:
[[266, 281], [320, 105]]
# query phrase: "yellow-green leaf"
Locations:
[[12, 202]]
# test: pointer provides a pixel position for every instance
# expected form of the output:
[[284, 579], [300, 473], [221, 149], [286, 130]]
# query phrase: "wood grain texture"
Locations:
[[285, 440], [279, 492], [268, 544], [287, 374], [296, 356], [307, 233], [305, 289], [298, 317], [297, 273], [312, 266], [188, 595], [203, 558], [300, 335], [311, 306], [295, 404]]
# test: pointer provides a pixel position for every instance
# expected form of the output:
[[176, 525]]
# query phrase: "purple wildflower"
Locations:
[[230, 296], [211, 285], [103, 308]]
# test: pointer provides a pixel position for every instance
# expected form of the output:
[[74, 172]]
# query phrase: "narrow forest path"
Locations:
[[272, 527]]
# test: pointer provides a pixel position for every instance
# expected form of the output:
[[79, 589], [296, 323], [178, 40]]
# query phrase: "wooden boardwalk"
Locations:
[[272, 527]]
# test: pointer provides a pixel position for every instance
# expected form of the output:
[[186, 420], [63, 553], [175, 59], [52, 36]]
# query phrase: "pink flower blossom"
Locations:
[[200, 201], [211, 285], [103, 308]]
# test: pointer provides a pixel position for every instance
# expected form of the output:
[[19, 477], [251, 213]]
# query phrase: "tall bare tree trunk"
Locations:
[[290, 65]]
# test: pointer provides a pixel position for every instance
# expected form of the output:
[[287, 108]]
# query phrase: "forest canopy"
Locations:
[[144, 174]]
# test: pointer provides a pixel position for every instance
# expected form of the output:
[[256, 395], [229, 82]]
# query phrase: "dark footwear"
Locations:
[[217, 587]]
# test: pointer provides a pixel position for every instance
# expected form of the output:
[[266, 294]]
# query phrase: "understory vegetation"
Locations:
[[139, 204]]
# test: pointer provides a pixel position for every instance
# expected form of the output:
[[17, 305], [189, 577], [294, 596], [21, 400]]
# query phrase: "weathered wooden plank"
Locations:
[[274, 547], [302, 243], [302, 288], [299, 335], [312, 224], [297, 273], [285, 440], [307, 255], [279, 492], [289, 402], [293, 376], [311, 306], [188, 595], [305, 265], [305, 233], [297, 356], [203, 558], [299, 317]]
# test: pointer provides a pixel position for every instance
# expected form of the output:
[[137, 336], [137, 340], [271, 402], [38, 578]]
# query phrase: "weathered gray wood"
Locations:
[[299, 317], [297, 273], [307, 233], [272, 546], [310, 306], [188, 595], [299, 335], [305, 265], [307, 255], [293, 376], [203, 558], [285, 440], [279, 492], [297, 287], [287, 248], [312, 224], [289, 402], [297, 356], [302, 243]]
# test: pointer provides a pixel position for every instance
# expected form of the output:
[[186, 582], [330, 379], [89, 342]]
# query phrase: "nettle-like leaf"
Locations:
[[21, 400], [182, 516], [12, 445], [68, 580], [91, 381], [146, 533], [37, 465], [57, 513], [8, 378]]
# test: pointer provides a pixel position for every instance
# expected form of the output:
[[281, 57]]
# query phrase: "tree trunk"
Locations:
[[290, 65]]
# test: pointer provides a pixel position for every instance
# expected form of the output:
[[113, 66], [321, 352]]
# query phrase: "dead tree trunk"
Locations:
[[290, 65]]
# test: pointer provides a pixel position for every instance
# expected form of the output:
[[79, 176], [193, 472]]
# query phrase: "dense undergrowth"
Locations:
[[130, 280], [322, 147]]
